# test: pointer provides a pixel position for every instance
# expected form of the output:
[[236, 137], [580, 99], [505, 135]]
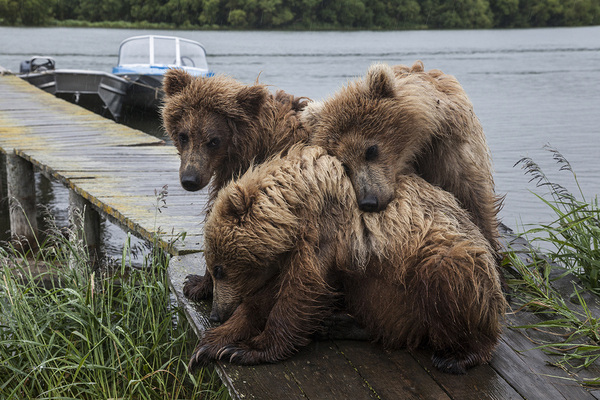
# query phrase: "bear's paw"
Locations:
[[454, 362], [198, 287]]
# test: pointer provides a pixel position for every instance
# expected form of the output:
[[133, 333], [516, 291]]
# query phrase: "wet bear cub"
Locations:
[[285, 240], [220, 126], [399, 120]]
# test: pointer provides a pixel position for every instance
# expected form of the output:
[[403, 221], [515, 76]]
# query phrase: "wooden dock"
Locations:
[[115, 171], [114, 168]]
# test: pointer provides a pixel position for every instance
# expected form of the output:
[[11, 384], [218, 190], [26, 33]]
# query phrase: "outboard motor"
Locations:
[[37, 64], [25, 67]]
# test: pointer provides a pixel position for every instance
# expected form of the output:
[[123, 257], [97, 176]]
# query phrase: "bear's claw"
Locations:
[[199, 358]]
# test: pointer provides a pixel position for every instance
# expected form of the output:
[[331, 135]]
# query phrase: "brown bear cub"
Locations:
[[287, 239], [219, 127], [401, 120]]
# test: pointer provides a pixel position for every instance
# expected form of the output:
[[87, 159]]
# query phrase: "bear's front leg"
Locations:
[[246, 322], [304, 300], [198, 287]]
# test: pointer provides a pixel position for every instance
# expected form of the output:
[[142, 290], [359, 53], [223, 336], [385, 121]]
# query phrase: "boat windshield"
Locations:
[[162, 50]]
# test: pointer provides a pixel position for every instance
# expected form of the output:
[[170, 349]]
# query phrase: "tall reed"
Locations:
[[572, 246], [574, 235]]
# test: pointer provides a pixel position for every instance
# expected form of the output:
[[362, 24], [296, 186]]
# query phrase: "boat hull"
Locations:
[[98, 91], [145, 92]]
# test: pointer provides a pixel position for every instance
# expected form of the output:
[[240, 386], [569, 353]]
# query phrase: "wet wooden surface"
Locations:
[[116, 168]]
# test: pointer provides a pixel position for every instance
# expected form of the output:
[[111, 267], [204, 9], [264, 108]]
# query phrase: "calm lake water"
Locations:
[[529, 87]]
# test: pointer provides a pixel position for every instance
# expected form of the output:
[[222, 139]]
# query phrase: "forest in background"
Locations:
[[301, 14]]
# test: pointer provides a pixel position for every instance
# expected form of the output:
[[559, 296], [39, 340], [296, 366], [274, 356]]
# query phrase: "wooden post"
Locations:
[[89, 228], [21, 193], [2, 174]]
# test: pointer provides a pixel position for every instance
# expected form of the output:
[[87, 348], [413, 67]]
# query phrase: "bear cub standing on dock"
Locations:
[[400, 120], [285, 240], [219, 127]]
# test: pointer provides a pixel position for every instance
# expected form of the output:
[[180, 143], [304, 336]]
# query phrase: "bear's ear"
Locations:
[[238, 202], [175, 81], [380, 81], [311, 114], [251, 99]]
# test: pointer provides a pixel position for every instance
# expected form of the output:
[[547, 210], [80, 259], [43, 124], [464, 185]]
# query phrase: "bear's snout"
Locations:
[[191, 182], [214, 316], [369, 204]]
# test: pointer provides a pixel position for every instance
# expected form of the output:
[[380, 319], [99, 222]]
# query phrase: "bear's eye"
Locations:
[[371, 153], [213, 143], [218, 272], [183, 138]]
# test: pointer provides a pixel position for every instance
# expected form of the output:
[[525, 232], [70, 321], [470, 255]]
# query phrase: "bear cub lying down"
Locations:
[[399, 120], [285, 241]]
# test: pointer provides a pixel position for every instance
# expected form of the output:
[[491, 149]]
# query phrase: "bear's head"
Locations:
[[372, 126], [207, 118], [247, 235]]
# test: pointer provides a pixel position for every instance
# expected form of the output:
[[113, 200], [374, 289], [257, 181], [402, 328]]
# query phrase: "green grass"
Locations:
[[570, 244], [573, 237], [576, 329], [111, 333]]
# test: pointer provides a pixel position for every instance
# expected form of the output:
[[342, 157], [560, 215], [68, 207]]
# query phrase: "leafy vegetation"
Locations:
[[572, 333], [303, 14], [574, 236], [74, 333], [571, 244]]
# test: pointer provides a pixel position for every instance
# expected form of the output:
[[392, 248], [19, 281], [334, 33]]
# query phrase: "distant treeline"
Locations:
[[302, 14]]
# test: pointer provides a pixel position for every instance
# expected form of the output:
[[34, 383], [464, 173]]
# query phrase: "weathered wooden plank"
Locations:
[[40, 140], [26, 113], [91, 129], [70, 130], [50, 120], [510, 364], [259, 382], [323, 372], [33, 143], [392, 376], [481, 381], [567, 286], [528, 371], [118, 151], [525, 340]]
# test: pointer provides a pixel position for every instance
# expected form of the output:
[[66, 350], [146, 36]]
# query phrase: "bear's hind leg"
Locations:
[[458, 361], [456, 293]]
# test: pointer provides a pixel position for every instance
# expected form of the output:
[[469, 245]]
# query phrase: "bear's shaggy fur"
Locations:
[[220, 126], [400, 120], [284, 241]]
